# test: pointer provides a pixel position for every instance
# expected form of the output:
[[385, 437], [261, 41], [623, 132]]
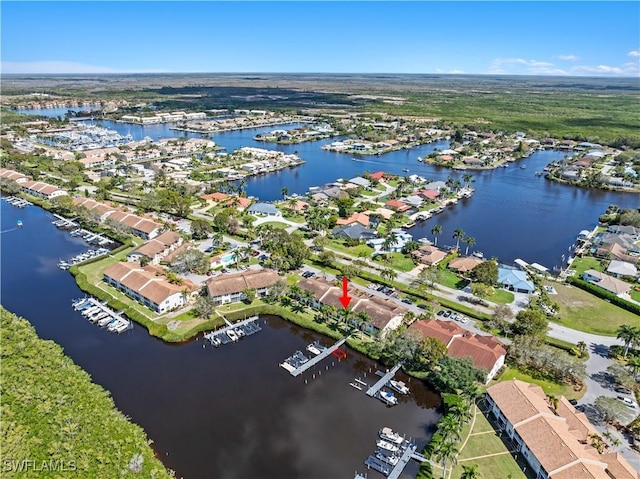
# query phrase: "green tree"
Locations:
[[470, 472], [531, 322], [458, 234], [249, 295], [486, 272], [482, 290], [191, 261], [612, 409], [204, 307], [630, 335], [345, 207], [285, 192], [453, 374], [435, 231], [470, 240], [200, 229]]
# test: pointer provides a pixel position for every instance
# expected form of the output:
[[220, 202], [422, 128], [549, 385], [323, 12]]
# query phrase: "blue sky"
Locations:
[[546, 38]]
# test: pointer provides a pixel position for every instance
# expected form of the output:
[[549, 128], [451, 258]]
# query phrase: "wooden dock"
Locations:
[[402, 462], [373, 390], [315, 360]]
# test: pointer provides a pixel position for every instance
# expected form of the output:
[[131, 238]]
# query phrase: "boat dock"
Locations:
[[233, 331], [301, 365], [64, 223], [373, 390], [392, 455], [17, 201], [99, 313]]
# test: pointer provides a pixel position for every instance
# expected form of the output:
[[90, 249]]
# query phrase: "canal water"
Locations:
[[513, 213], [230, 412]]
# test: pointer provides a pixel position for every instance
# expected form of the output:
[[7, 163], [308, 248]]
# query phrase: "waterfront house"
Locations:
[[401, 239], [428, 194], [157, 248], [360, 181], [238, 202], [297, 207], [464, 264], [515, 280], [435, 185], [384, 315], [615, 250], [606, 282], [264, 209], [13, 176], [42, 190], [555, 440], [354, 231], [229, 288], [619, 269], [101, 210], [378, 175], [149, 286], [486, 352], [429, 255], [397, 205], [356, 218]]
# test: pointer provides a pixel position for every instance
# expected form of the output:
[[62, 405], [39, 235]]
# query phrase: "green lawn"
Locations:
[[585, 312], [451, 280], [361, 250], [583, 264], [401, 262], [501, 296], [635, 295], [475, 446], [276, 225], [548, 387]]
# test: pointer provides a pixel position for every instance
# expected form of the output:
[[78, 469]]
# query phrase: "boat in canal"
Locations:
[[388, 398], [387, 446], [399, 386], [232, 335], [387, 434]]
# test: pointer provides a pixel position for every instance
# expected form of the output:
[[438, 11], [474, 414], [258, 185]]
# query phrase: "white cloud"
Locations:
[[61, 67], [626, 69], [520, 66], [634, 53], [568, 58], [450, 72]]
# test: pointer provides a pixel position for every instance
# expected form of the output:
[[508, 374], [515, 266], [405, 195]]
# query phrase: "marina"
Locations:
[[81, 258], [392, 454], [373, 390], [298, 363], [233, 332], [98, 313], [17, 201]]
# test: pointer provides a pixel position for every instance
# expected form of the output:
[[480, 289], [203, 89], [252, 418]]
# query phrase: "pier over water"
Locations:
[[313, 361], [373, 390]]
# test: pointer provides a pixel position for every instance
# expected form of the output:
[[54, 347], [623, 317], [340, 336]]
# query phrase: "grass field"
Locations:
[[548, 387], [481, 445], [452, 280], [360, 250], [580, 265], [276, 224], [501, 296], [586, 312]]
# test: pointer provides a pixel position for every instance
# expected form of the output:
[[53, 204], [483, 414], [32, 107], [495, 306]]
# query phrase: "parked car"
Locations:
[[441, 312], [210, 249], [623, 390], [255, 253], [308, 274], [407, 301], [627, 401], [573, 402], [447, 313], [423, 306]]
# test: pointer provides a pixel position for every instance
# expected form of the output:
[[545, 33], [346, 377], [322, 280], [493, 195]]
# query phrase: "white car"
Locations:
[[627, 401]]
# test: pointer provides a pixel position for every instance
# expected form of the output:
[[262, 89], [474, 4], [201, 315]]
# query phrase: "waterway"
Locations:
[[230, 412], [56, 112], [513, 213]]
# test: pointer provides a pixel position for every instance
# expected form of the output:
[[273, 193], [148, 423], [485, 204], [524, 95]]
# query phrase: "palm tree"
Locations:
[[470, 240], [634, 365], [285, 192], [629, 335], [389, 241], [449, 428], [236, 257], [470, 472], [458, 234], [468, 179], [389, 274], [553, 401], [582, 348], [435, 231], [445, 451], [246, 252]]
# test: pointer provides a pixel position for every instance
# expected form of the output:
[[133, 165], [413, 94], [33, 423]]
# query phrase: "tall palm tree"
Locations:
[[435, 231], [388, 242], [446, 451], [634, 365], [470, 472], [389, 274], [468, 179], [629, 335], [458, 234], [582, 348], [285, 192], [470, 240], [449, 428]]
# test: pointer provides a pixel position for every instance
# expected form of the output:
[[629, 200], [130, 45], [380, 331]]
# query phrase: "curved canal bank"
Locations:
[[227, 412]]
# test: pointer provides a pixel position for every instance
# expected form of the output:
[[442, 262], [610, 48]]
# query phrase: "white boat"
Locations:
[[99, 316], [287, 366], [392, 460], [90, 311], [399, 386], [104, 321], [116, 324], [240, 332], [386, 446], [232, 335], [387, 434], [124, 325], [388, 398], [80, 303], [315, 348]]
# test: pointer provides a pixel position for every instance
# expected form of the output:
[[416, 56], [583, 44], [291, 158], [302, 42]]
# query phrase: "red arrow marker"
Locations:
[[345, 299]]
